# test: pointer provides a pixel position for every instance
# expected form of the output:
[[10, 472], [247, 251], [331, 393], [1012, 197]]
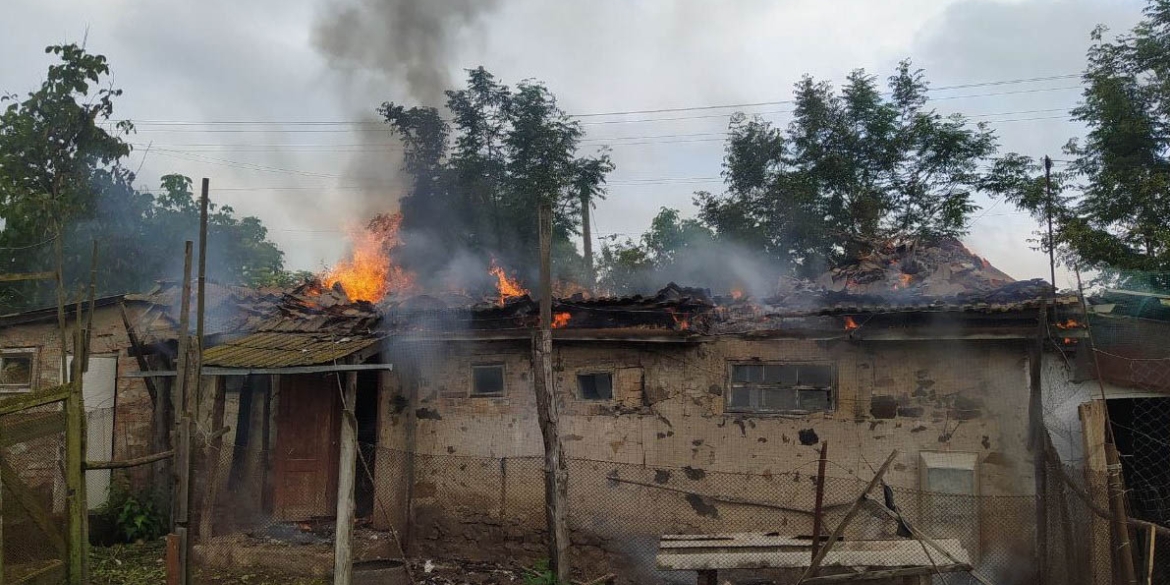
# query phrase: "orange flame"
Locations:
[[368, 274], [737, 293], [507, 288], [1068, 324], [680, 321], [850, 324], [560, 320], [906, 279]]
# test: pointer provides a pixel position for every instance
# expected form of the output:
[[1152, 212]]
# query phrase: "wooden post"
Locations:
[[1036, 444], [179, 513], [587, 241], [346, 475], [1, 518], [77, 506], [818, 508], [811, 571], [213, 460], [1151, 537], [555, 470]]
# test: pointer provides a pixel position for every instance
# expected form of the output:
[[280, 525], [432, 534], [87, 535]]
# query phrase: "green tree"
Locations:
[[62, 183], [478, 179], [851, 168], [673, 248], [57, 147], [1119, 223]]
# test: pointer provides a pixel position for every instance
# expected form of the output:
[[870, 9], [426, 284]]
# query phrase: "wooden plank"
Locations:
[[290, 370], [1151, 537], [346, 479], [22, 276], [53, 572], [840, 530], [129, 462], [926, 540], [25, 498], [724, 499], [818, 506], [887, 574], [34, 399], [214, 461], [1092, 415]]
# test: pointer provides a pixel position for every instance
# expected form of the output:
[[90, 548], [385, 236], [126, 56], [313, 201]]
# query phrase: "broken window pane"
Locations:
[[595, 386], [487, 379], [739, 398], [16, 370]]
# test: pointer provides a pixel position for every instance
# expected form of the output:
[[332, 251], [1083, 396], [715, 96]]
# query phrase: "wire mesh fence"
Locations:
[[32, 502], [467, 510]]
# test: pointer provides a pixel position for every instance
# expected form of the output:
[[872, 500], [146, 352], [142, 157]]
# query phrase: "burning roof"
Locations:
[[897, 278], [943, 268]]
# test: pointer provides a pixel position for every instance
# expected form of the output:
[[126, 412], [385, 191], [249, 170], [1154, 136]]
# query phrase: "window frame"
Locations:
[[754, 398], [23, 352], [612, 385], [503, 379]]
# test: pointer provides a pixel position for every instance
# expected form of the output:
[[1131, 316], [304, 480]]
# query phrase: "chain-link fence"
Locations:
[[33, 515], [468, 510]]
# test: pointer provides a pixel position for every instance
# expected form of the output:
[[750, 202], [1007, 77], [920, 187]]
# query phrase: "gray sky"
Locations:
[[256, 61]]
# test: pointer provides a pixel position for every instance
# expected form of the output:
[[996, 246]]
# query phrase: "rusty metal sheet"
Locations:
[[278, 349]]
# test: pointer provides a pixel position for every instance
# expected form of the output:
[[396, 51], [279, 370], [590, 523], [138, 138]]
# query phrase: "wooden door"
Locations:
[[306, 448]]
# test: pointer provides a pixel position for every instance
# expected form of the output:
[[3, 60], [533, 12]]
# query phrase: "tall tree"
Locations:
[[62, 181], [851, 168], [478, 178], [1119, 224]]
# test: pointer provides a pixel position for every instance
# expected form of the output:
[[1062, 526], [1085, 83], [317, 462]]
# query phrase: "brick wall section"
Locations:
[[132, 416]]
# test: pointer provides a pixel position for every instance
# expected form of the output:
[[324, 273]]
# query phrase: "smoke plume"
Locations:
[[407, 42]]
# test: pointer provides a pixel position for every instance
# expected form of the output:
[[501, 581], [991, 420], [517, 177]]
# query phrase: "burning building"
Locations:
[[680, 411], [675, 405]]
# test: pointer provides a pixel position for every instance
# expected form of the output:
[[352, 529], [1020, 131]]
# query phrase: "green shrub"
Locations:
[[135, 517]]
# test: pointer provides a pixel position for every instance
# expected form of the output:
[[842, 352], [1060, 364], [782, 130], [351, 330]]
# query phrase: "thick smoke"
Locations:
[[407, 42], [389, 50]]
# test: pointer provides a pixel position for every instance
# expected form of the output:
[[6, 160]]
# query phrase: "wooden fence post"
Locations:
[[347, 469], [555, 470]]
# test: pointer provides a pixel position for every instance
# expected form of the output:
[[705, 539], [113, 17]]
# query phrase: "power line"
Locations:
[[641, 111]]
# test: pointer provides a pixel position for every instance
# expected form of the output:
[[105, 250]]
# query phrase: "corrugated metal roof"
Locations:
[[274, 350]]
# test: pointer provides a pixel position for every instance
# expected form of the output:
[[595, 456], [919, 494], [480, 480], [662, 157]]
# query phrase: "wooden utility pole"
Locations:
[[1048, 208], [587, 243], [555, 470], [346, 477], [179, 512], [1036, 443], [818, 508]]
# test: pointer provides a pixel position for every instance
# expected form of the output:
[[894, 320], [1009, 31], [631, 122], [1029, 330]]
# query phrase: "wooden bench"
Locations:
[[852, 560]]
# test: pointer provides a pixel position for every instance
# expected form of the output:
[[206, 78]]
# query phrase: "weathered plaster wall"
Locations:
[[477, 476], [132, 411]]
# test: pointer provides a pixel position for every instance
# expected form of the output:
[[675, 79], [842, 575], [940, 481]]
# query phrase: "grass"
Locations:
[[143, 563]]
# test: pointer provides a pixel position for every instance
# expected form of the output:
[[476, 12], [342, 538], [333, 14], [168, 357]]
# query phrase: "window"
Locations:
[[487, 380], [16, 370], [949, 485], [595, 386], [780, 388]]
